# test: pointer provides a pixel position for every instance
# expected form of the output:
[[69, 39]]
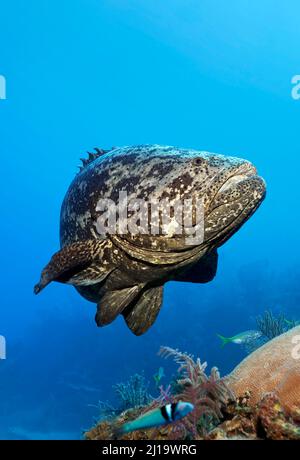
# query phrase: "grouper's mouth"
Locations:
[[245, 172], [237, 196]]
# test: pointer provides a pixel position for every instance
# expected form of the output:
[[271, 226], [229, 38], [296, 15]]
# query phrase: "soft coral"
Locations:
[[208, 393]]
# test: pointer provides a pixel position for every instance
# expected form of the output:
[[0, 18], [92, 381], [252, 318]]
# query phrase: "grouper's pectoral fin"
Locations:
[[78, 264], [202, 271], [113, 303], [140, 316]]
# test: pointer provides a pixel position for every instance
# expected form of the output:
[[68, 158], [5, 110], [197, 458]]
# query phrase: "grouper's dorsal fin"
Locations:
[[78, 264], [92, 156]]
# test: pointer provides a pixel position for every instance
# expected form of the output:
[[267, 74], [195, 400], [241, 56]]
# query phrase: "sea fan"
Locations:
[[207, 393]]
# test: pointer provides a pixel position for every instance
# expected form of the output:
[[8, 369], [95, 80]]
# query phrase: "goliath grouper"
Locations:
[[123, 271]]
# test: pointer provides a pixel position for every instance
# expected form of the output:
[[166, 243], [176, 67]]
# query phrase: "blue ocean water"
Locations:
[[209, 75]]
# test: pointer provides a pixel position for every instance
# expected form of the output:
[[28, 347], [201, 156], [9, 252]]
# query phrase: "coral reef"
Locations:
[[266, 405], [267, 420], [275, 421], [271, 368], [209, 394]]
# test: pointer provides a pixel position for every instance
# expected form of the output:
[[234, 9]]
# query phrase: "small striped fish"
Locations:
[[164, 415]]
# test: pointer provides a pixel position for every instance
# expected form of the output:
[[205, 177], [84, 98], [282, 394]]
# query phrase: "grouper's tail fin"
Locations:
[[224, 340], [75, 264]]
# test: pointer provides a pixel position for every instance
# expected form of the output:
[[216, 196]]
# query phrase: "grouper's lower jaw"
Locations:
[[232, 207]]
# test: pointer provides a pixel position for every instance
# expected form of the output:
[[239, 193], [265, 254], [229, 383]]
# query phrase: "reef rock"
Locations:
[[274, 367], [267, 420]]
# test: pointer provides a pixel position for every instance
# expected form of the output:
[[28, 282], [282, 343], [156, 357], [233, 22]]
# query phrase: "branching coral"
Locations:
[[105, 410], [208, 393], [133, 393], [130, 394], [271, 326]]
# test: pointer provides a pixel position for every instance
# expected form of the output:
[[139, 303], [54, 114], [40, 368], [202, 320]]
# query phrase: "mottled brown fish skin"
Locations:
[[125, 274]]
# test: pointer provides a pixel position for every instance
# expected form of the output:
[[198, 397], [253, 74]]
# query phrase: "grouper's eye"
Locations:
[[198, 161]]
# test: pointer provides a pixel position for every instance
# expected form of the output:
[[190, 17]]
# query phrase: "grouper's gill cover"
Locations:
[[124, 272]]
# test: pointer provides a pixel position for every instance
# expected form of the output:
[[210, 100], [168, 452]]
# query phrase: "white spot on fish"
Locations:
[[83, 219]]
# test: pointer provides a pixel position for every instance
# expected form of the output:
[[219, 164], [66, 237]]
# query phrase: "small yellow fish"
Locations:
[[159, 376]]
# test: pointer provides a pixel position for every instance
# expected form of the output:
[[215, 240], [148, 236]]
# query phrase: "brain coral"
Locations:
[[275, 367]]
